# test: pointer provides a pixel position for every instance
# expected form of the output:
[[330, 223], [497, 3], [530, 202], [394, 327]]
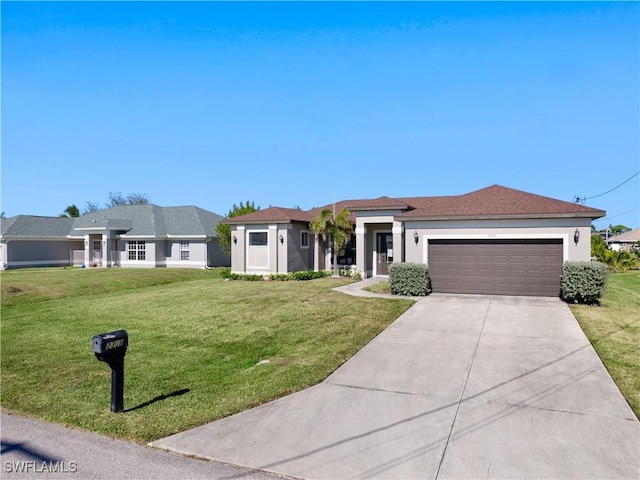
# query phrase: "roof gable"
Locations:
[[497, 201]]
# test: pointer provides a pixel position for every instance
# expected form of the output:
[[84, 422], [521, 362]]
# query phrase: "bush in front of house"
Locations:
[[280, 277], [584, 282], [410, 279], [309, 274]]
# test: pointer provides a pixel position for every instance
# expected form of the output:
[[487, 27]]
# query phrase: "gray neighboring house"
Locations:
[[495, 240], [625, 242], [124, 236]]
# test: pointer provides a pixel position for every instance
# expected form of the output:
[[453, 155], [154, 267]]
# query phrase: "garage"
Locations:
[[496, 267]]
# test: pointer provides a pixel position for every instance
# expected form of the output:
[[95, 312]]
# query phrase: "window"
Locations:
[[184, 249], [258, 239], [258, 250], [347, 256], [136, 250], [97, 245], [304, 239]]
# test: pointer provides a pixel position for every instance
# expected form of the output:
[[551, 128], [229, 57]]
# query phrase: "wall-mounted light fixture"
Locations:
[[235, 240], [281, 238], [576, 236], [415, 236]]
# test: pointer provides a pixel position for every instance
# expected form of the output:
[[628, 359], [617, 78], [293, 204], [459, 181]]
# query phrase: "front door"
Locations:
[[384, 252]]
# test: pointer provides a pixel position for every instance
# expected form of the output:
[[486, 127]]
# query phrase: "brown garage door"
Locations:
[[496, 267]]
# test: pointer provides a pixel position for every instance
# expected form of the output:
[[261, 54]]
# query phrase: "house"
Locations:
[[122, 236], [495, 240], [625, 242]]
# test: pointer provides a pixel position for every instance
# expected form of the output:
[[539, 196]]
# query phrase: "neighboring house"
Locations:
[[123, 236], [625, 242], [496, 240]]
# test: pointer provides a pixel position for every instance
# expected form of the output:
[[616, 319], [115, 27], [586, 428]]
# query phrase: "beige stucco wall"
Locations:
[[299, 258], [500, 229], [276, 250]]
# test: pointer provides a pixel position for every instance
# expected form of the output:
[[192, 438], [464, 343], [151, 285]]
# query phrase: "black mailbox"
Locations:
[[110, 345], [111, 348]]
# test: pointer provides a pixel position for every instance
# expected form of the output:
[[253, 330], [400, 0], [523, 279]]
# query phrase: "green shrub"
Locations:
[[584, 282], [409, 279], [280, 277], [225, 272], [309, 275]]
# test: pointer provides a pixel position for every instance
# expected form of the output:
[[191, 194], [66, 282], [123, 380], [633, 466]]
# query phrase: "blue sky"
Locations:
[[210, 104]]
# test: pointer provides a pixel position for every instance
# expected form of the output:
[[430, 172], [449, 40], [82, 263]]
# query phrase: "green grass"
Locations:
[[613, 329], [195, 342], [380, 287]]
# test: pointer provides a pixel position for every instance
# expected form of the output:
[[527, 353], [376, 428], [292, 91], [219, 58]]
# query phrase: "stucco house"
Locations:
[[495, 240], [122, 236], [625, 242]]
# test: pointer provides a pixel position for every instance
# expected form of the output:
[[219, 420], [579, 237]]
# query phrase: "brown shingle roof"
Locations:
[[498, 201], [272, 214], [495, 201]]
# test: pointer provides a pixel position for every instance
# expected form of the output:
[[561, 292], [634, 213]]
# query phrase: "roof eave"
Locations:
[[259, 222], [369, 209], [592, 215]]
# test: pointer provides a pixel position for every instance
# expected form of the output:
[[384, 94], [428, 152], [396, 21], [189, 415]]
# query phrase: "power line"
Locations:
[[607, 218], [584, 199]]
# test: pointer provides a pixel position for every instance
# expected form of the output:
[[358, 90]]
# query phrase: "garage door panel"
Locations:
[[498, 267]]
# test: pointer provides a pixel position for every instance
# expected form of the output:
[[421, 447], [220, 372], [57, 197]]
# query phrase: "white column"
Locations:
[[361, 259]]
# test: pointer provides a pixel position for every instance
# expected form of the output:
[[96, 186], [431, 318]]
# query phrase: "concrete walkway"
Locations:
[[457, 387]]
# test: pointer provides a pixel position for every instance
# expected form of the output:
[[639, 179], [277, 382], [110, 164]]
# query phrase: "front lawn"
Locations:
[[200, 348], [613, 329]]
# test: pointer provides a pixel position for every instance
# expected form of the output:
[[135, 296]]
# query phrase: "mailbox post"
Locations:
[[111, 348]]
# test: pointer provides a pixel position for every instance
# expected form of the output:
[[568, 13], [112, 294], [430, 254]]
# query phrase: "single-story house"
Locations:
[[625, 241], [122, 236], [496, 240]]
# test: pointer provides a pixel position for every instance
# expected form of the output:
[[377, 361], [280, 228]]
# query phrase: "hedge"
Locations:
[[410, 279], [281, 277], [584, 282]]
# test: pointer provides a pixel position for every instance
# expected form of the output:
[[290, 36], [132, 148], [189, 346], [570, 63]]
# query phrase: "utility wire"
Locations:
[[607, 218], [584, 199]]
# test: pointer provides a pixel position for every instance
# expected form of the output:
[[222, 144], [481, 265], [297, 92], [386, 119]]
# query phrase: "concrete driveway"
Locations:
[[457, 387]]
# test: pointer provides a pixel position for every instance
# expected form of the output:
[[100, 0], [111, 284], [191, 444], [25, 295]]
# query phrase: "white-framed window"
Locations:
[[304, 239], [137, 249], [258, 249], [184, 250], [258, 239], [97, 245]]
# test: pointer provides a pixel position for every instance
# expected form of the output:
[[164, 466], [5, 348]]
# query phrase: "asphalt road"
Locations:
[[39, 450]]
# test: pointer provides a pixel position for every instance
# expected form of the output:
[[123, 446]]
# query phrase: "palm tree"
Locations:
[[336, 227], [71, 211]]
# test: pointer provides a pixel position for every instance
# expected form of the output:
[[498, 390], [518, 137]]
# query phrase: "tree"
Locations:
[[598, 247], [117, 199], [337, 228], [91, 207], [618, 229], [71, 212], [224, 231]]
